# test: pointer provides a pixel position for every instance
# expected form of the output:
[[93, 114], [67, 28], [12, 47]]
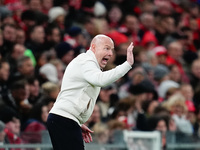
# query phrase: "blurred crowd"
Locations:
[[39, 38]]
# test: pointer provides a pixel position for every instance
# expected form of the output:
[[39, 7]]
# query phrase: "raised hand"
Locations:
[[130, 57], [86, 134]]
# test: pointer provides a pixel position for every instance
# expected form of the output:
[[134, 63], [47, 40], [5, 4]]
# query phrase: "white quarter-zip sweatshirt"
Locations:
[[81, 85]]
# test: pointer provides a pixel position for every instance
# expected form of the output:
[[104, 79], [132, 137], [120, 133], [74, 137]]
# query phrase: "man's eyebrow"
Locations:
[[110, 47], [107, 45]]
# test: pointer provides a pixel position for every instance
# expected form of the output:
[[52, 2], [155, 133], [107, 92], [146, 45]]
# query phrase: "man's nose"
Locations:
[[110, 53]]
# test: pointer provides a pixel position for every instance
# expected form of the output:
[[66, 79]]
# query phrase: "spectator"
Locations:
[[174, 74], [143, 91], [195, 80], [196, 124], [131, 28], [164, 87], [95, 118], [135, 76], [25, 67], [21, 36], [147, 22], [145, 111], [29, 19], [105, 100], [195, 73], [46, 6], [176, 105], [76, 39], [8, 19], [175, 54], [101, 26], [57, 15], [18, 51], [9, 33], [48, 72], [102, 133], [41, 60], [114, 16], [37, 38], [161, 53], [65, 52], [123, 114], [189, 48], [34, 90], [160, 74], [159, 123], [59, 66], [50, 89], [53, 36], [1, 40], [4, 76], [18, 100], [35, 5], [187, 92], [9, 37], [2, 134], [32, 128], [164, 26], [12, 125]]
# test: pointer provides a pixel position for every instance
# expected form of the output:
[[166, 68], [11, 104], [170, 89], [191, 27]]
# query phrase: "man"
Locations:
[[37, 38], [9, 38], [65, 52], [79, 90], [4, 75]]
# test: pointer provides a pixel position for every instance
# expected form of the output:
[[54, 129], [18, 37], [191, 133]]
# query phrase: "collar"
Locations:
[[91, 53]]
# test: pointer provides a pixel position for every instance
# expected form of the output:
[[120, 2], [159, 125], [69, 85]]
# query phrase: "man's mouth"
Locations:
[[105, 60]]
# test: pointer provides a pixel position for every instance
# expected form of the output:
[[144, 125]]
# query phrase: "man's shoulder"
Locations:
[[84, 56]]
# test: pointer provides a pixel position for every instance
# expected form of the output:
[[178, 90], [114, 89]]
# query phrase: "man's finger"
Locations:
[[86, 139], [89, 130], [90, 137], [130, 46]]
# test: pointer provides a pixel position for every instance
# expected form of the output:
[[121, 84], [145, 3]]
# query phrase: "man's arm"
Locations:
[[98, 78]]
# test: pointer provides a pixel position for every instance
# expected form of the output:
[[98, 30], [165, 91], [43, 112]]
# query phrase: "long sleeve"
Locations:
[[96, 77]]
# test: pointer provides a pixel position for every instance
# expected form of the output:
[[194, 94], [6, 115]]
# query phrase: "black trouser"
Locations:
[[65, 133]]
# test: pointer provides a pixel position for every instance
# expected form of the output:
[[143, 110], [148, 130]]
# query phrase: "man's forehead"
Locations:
[[110, 46]]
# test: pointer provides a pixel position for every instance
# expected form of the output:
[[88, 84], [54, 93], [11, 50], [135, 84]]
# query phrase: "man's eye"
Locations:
[[107, 48]]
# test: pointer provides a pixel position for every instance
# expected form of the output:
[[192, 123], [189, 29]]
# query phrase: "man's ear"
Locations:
[[93, 48]]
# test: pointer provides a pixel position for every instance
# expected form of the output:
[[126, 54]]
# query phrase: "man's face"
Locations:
[[35, 5], [175, 51], [18, 51], [34, 88], [4, 71], [9, 33], [67, 58], [196, 69], [38, 34], [27, 68], [103, 50], [132, 23], [14, 126], [56, 36], [20, 37]]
